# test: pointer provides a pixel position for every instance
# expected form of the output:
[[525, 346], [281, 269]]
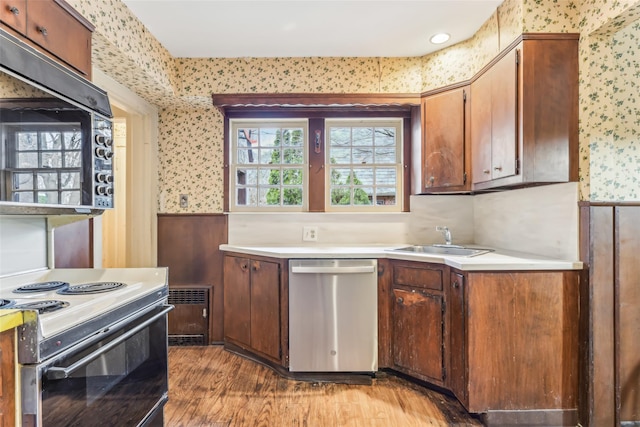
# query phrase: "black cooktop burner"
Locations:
[[40, 287], [6, 303], [91, 288], [46, 306]]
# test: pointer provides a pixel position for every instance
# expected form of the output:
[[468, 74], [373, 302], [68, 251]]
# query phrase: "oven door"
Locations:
[[120, 380]]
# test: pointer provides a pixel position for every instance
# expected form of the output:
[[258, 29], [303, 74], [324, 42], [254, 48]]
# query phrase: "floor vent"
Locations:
[[188, 296], [185, 340]]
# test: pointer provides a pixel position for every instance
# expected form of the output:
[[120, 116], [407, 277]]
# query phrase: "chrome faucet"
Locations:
[[445, 232]]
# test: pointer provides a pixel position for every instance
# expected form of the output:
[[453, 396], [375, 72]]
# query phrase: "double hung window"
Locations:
[[360, 163], [363, 160], [269, 165]]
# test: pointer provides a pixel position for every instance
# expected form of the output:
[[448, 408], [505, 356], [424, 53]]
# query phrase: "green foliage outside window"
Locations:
[[342, 195], [290, 196]]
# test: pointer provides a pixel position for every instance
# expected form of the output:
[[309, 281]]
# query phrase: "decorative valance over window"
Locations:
[[313, 101]]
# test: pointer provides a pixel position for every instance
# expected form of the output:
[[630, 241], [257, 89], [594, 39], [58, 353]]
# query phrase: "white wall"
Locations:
[[540, 220], [333, 228], [23, 244]]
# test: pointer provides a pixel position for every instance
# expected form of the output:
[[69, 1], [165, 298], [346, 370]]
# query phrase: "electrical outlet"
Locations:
[[310, 233], [184, 201]]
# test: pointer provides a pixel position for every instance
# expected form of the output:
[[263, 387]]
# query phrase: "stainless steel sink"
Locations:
[[444, 250]]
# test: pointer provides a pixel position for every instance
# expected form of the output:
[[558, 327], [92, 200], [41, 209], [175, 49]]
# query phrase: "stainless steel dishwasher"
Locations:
[[333, 315]]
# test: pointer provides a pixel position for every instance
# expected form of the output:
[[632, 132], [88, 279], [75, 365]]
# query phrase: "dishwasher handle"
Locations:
[[333, 270]]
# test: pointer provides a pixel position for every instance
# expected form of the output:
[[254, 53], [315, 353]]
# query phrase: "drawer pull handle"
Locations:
[[498, 168], [14, 10], [43, 31]]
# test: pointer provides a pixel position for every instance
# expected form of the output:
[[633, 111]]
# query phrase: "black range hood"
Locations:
[[23, 61]]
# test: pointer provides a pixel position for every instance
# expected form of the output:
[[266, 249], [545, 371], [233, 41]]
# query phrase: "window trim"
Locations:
[[317, 108]]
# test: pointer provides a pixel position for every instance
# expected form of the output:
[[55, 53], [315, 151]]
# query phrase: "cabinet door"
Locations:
[[265, 308], [504, 115], [418, 338], [457, 378], [237, 300], [7, 379], [53, 28], [494, 119], [444, 160], [13, 13], [481, 128]]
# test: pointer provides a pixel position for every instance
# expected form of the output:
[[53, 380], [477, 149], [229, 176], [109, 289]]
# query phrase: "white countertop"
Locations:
[[498, 260]]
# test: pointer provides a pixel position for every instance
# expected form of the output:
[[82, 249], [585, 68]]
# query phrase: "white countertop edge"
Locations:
[[498, 260]]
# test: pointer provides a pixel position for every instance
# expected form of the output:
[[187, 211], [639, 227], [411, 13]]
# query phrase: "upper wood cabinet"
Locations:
[[494, 116], [51, 25], [524, 114], [446, 150], [13, 13]]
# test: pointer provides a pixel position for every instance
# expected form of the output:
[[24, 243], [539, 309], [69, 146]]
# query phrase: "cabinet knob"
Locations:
[[400, 300], [14, 10], [456, 284], [42, 31], [497, 168], [487, 171]]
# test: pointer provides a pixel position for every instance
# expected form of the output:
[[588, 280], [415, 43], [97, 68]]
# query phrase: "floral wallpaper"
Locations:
[[558, 16], [191, 160], [461, 61], [190, 143], [610, 135], [11, 87], [123, 48], [295, 75]]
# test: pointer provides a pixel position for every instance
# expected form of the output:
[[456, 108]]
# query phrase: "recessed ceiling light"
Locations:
[[439, 38]]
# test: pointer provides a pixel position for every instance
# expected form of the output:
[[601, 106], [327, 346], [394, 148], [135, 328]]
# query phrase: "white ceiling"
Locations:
[[299, 28]]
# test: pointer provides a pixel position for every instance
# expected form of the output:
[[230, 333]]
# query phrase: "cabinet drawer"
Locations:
[[419, 277], [53, 28], [13, 13]]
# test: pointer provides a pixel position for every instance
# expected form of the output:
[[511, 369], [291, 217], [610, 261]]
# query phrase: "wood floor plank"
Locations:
[[211, 387]]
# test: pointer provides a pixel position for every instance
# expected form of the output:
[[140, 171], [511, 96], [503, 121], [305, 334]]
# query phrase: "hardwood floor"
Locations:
[[211, 387]]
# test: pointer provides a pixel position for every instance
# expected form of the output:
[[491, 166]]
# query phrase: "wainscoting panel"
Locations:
[[188, 245]]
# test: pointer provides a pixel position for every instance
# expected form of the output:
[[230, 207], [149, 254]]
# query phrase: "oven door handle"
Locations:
[[60, 372]]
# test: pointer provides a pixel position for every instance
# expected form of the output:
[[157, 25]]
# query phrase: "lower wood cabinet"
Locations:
[[504, 343], [418, 321], [7, 379], [457, 325], [513, 345], [252, 305]]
